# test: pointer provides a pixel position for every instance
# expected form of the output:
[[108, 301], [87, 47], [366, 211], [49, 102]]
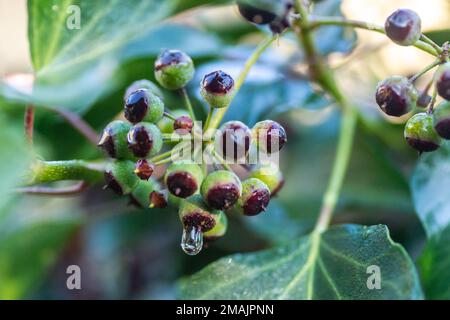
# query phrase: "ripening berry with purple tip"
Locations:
[[269, 135], [221, 189], [443, 81], [255, 197], [271, 175], [143, 105], [396, 96], [174, 69], [217, 88], [144, 139], [420, 133], [233, 141], [194, 212], [114, 140], [119, 177], [140, 196], [403, 27], [183, 179], [441, 119]]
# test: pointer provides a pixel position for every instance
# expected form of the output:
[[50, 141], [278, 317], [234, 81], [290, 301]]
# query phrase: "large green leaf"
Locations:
[[431, 193], [75, 67], [430, 188], [332, 265]]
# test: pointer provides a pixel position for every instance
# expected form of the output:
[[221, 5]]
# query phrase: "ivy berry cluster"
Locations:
[[203, 194], [398, 96]]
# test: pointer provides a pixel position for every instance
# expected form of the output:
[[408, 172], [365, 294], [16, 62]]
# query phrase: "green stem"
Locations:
[[324, 76], [188, 103], [218, 115], [338, 21], [51, 171], [427, 68], [344, 149], [425, 39], [170, 116], [161, 156]]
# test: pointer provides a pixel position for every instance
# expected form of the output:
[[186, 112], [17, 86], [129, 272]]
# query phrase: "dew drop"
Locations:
[[192, 240]]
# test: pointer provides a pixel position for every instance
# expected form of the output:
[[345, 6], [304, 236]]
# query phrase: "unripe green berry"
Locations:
[[255, 197], [219, 229], [217, 88], [174, 69], [441, 119], [396, 96], [120, 178], [269, 136], [143, 105], [443, 81], [114, 140], [183, 179], [403, 27], [143, 84], [420, 133], [271, 175], [221, 189], [193, 212], [140, 196], [144, 139]]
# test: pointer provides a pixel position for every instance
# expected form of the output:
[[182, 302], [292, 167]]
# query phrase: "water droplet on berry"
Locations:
[[192, 240]]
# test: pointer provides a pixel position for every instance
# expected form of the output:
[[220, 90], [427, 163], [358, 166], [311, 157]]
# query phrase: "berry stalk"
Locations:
[[218, 115], [324, 76], [338, 21]]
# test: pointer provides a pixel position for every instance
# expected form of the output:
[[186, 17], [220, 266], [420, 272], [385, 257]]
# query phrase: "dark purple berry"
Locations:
[[441, 119], [183, 125], [403, 27], [396, 96], [269, 135], [443, 81], [261, 11]]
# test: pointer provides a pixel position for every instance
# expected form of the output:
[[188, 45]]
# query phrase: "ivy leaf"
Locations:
[[332, 265], [78, 46], [431, 194]]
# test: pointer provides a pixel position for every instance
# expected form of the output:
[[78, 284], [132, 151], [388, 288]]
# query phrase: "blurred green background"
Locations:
[[129, 253]]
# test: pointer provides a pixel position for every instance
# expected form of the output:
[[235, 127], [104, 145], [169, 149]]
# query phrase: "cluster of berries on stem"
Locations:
[[398, 96], [151, 136]]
